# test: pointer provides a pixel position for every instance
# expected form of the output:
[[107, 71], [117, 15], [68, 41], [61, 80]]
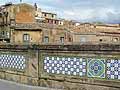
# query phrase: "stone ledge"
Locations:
[[104, 47]]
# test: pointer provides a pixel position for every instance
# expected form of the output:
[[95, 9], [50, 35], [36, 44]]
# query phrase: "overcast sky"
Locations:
[[82, 10]]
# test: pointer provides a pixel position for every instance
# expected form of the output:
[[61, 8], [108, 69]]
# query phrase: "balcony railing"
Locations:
[[4, 37]]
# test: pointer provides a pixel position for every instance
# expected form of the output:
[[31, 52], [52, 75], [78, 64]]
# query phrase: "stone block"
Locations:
[[32, 81], [23, 79], [2, 75], [12, 77]]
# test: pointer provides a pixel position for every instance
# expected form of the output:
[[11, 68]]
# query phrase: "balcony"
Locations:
[[4, 35]]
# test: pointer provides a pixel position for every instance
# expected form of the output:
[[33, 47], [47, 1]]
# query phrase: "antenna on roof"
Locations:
[[20, 0], [35, 5]]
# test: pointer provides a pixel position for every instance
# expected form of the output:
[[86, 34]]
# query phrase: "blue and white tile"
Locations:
[[113, 69], [65, 65]]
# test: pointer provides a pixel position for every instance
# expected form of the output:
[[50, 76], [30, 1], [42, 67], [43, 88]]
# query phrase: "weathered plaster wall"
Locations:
[[22, 13], [35, 37]]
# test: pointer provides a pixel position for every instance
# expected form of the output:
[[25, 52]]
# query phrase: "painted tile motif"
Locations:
[[12, 61], [96, 68], [113, 69], [65, 65]]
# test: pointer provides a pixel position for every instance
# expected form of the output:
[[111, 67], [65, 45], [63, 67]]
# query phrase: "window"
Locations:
[[52, 16], [82, 39], [70, 39], [46, 39], [100, 40], [116, 39], [45, 14], [12, 22], [55, 22], [62, 39], [7, 34], [26, 37], [3, 33]]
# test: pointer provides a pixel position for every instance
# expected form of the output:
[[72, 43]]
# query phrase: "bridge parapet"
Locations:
[[62, 67]]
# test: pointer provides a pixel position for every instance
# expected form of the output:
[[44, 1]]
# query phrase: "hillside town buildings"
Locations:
[[40, 49], [27, 24]]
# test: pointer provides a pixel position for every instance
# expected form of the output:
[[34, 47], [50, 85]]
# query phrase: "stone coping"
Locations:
[[99, 47]]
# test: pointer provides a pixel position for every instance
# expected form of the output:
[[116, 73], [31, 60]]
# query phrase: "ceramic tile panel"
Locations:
[[12, 61], [96, 68], [65, 65], [113, 69]]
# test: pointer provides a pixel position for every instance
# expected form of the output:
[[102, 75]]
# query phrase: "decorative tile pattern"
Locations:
[[96, 68], [113, 69], [65, 65], [99, 68], [12, 61]]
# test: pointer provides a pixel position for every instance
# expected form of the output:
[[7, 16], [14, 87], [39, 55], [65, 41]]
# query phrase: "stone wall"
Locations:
[[61, 69]]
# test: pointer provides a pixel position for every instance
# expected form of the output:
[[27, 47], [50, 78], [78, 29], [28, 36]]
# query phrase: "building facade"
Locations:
[[27, 24]]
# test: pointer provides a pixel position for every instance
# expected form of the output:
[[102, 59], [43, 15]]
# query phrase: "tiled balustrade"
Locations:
[[85, 67]]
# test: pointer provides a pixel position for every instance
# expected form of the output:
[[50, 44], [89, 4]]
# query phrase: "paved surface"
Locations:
[[7, 85]]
